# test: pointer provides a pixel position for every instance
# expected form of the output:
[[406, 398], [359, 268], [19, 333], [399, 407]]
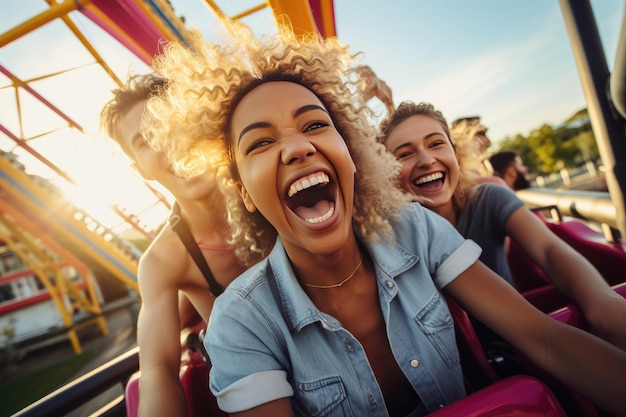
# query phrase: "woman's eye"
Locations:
[[403, 155], [314, 126], [256, 145]]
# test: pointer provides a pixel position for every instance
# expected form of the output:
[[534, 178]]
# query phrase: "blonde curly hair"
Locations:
[[464, 190], [465, 134], [190, 121]]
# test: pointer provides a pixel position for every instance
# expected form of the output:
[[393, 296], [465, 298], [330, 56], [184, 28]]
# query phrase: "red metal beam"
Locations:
[[25, 86], [36, 154], [130, 25]]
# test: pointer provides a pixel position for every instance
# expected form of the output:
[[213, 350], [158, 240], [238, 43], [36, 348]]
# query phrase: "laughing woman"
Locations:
[[418, 136], [345, 316]]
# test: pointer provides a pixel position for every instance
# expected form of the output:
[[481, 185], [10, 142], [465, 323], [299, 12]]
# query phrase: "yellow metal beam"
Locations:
[[88, 45], [216, 9], [68, 213], [295, 13], [54, 12], [249, 11], [88, 303], [41, 267]]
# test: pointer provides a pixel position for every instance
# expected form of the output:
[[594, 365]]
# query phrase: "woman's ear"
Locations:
[[247, 201]]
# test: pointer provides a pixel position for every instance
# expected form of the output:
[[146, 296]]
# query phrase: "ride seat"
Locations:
[[607, 257], [575, 405], [194, 377], [516, 396], [477, 371], [532, 282]]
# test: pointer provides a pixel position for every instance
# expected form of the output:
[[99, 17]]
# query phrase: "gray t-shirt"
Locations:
[[484, 220]]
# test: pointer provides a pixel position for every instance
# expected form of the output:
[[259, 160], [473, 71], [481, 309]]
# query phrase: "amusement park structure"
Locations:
[[54, 252], [35, 212]]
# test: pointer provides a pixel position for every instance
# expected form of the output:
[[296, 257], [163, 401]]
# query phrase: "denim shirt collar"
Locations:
[[390, 260]]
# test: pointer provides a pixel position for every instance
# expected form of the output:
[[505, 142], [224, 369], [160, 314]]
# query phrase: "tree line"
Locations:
[[550, 148]]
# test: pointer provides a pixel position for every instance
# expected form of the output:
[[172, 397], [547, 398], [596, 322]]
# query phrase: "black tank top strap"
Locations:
[[179, 226]]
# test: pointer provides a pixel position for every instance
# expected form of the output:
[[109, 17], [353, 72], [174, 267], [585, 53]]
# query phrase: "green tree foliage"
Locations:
[[586, 142], [523, 148], [548, 149]]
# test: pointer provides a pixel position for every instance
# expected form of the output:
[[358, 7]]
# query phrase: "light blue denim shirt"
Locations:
[[267, 340]]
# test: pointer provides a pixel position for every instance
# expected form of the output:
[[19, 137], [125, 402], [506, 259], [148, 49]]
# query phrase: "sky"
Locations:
[[509, 62]]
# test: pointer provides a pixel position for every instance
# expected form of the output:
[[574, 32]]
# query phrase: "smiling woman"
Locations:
[[352, 284], [290, 314]]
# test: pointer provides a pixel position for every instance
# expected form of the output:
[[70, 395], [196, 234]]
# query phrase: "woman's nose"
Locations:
[[296, 148], [424, 159]]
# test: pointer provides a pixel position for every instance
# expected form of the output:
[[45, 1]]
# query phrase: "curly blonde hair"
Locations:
[[464, 190], [471, 151], [191, 120]]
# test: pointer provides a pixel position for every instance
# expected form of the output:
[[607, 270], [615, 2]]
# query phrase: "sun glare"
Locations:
[[105, 180]]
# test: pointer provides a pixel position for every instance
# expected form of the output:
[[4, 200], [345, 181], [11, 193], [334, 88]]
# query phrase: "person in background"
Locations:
[[375, 87], [509, 166], [345, 316], [470, 140], [167, 274], [418, 136], [473, 132]]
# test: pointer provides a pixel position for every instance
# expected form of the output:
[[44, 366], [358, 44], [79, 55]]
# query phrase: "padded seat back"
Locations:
[[517, 396]]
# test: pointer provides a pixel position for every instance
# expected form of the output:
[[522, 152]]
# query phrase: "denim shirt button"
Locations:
[[415, 363], [389, 284], [349, 347], [441, 406]]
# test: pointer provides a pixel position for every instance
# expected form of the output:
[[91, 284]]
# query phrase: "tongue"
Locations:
[[319, 209]]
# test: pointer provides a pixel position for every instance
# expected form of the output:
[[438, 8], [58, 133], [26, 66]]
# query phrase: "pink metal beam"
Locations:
[[39, 97], [36, 154], [324, 15], [127, 23]]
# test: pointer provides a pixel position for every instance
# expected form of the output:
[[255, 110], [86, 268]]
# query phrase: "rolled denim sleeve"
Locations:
[[454, 265], [252, 391], [449, 253], [246, 371]]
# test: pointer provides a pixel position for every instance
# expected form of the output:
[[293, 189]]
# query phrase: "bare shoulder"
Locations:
[[490, 179], [165, 257]]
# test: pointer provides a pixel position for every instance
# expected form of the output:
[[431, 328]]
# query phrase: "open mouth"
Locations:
[[312, 197], [431, 180]]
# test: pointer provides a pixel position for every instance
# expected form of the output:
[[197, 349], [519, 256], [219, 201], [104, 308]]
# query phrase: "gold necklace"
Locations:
[[325, 287]]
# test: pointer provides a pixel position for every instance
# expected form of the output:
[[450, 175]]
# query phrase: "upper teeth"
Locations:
[[429, 178], [306, 182]]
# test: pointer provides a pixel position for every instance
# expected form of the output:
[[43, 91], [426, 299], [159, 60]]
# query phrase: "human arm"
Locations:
[[158, 336], [250, 364], [375, 87], [580, 360], [484, 179], [572, 274], [188, 314]]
